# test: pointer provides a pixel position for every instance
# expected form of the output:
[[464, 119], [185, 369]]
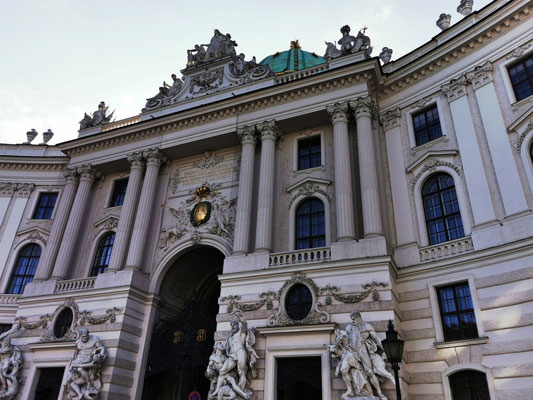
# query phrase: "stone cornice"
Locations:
[[366, 72], [457, 48], [26, 163]]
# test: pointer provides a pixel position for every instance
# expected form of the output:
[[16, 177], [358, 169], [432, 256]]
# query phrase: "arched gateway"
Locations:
[[184, 327]]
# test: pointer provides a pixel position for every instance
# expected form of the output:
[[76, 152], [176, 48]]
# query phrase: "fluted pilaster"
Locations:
[[339, 113], [364, 109], [154, 158], [269, 132], [127, 213], [248, 137], [87, 174]]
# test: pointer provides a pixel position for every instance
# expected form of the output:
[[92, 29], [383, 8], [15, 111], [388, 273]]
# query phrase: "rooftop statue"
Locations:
[[230, 363], [349, 44], [85, 378], [360, 359], [99, 117], [10, 365], [220, 46], [166, 92]]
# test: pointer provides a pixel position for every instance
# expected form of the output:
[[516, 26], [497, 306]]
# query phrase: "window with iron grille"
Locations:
[[426, 125], [45, 206], [469, 384], [25, 268], [457, 312], [441, 209], [521, 75], [119, 192], [310, 224], [309, 153], [103, 254]]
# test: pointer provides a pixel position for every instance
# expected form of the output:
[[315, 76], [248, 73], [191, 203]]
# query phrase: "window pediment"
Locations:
[[308, 187]]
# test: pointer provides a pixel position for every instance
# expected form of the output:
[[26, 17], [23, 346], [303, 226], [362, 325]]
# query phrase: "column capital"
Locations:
[[88, 173], [154, 156], [480, 75], [390, 119], [247, 134], [24, 189], [363, 107], [136, 159], [71, 175], [268, 130], [338, 112], [456, 88]]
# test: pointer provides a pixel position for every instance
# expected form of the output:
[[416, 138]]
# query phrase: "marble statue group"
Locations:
[[231, 362], [359, 355], [85, 380], [99, 117], [10, 365]]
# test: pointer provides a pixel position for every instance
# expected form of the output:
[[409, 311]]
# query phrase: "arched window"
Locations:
[[441, 209], [103, 254], [25, 268], [310, 224], [469, 384]]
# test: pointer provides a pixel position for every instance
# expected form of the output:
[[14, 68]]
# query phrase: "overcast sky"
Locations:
[[60, 58]]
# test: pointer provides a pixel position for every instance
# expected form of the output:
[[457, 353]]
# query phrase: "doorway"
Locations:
[[183, 333]]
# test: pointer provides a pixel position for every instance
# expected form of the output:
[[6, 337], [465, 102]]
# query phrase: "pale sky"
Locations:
[[60, 58]]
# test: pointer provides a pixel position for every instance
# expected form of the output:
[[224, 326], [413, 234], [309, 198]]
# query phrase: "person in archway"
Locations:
[[241, 356]]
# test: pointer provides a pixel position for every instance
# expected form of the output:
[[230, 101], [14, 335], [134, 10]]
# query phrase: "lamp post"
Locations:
[[393, 347]]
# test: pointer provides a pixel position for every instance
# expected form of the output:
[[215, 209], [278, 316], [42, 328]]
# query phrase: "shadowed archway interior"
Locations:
[[183, 333]]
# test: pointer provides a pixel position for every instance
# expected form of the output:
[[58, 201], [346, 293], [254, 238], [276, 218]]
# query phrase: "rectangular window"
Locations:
[[309, 153], [49, 383], [426, 125], [119, 192], [457, 312], [521, 75], [45, 206]]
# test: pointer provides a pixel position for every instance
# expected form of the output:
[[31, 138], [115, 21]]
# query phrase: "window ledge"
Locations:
[[442, 138], [309, 170], [460, 343], [38, 220], [520, 103], [113, 208]]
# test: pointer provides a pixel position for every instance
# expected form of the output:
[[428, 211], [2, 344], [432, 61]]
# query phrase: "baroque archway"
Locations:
[[183, 332]]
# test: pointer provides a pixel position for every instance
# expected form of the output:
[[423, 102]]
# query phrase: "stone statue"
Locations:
[[30, 135], [85, 379], [220, 46], [229, 364], [348, 44], [10, 365], [166, 92], [360, 358], [99, 117]]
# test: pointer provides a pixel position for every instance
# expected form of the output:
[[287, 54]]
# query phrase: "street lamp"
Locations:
[[393, 347]]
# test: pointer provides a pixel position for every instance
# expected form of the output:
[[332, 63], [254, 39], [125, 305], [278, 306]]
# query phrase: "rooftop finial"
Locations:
[[295, 44]]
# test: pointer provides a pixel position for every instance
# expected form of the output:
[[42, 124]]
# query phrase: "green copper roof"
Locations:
[[294, 59]]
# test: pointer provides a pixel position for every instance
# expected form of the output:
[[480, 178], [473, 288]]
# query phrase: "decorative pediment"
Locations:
[[307, 187], [106, 224], [210, 68], [32, 235], [521, 127], [431, 161]]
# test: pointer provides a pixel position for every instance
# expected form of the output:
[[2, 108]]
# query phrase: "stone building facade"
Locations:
[[402, 190]]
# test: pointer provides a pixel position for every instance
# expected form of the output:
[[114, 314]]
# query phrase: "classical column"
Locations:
[[269, 132], [343, 172], [514, 199], [125, 223], [154, 159], [87, 176], [402, 209], [363, 108], [476, 180], [46, 263], [244, 204]]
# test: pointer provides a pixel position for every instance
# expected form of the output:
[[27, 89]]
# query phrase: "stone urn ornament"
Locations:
[[465, 8], [444, 21], [385, 55], [47, 135], [30, 135]]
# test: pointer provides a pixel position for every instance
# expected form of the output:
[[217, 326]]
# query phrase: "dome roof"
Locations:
[[294, 59]]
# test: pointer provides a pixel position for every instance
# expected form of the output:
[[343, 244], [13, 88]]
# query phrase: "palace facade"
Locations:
[[290, 191]]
